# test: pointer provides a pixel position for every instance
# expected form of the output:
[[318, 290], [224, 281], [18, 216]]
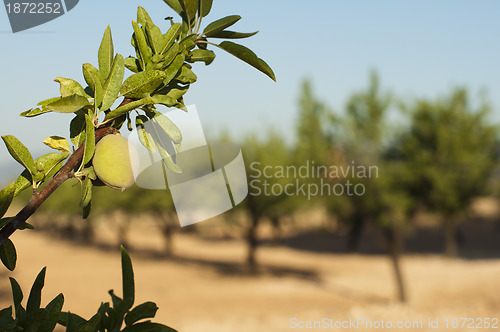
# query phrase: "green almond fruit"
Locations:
[[114, 162]]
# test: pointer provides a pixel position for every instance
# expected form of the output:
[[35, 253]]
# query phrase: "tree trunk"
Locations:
[[167, 230], [275, 222], [252, 242], [355, 234], [165, 222], [88, 232], [451, 238], [394, 247]]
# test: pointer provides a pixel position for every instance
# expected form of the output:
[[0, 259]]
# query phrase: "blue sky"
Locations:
[[420, 48]]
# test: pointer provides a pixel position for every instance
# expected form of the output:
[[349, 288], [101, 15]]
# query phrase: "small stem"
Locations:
[[125, 101], [198, 23], [206, 42]]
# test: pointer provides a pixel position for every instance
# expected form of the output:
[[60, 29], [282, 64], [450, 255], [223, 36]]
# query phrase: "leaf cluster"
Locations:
[[117, 315]]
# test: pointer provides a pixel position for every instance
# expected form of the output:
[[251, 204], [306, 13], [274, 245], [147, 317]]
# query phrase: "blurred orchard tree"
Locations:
[[450, 151], [266, 196], [361, 140], [161, 75]]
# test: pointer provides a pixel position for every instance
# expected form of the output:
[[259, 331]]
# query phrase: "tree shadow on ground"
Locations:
[[221, 267], [478, 239]]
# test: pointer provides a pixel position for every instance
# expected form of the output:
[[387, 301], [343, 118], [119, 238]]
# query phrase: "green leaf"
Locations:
[[227, 34], [50, 163], [112, 85], [35, 296], [128, 107], [186, 75], [105, 316], [17, 296], [86, 210], [70, 87], [220, 24], [245, 54], [142, 311], [206, 56], [35, 319], [71, 321], [168, 127], [205, 7], [144, 137], [69, 104], [129, 122], [86, 196], [144, 52], [48, 101], [164, 100], [158, 62], [156, 40], [34, 112], [185, 8], [5, 221], [89, 139], [106, 54], [91, 325], [19, 152], [117, 301], [143, 16], [54, 309], [188, 43], [89, 172], [142, 84], [26, 225], [191, 7], [171, 35], [171, 54], [37, 111], [24, 181], [174, 68], [176, 6], [93, 78], [122, 309], [77, 129], [127, 276], [168, 161], [148, 327], [6, 197], [8, 254], [91, 75], [7, 323], [119, 121], [178, 93], [57, 143], [132, 64]]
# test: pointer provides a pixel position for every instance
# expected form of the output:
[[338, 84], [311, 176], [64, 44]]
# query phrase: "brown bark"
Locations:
[[252, 242], [394, 248], [451, 238]]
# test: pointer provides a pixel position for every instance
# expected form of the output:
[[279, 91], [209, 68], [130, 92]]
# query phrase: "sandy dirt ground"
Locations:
[[205, 289]]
